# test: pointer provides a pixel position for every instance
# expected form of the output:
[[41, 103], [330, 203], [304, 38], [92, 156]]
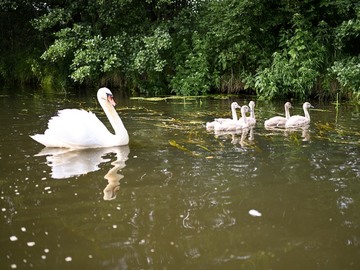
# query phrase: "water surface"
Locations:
[[180, 197]]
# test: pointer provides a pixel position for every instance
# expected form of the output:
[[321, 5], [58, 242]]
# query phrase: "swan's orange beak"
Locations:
[[110, 98]]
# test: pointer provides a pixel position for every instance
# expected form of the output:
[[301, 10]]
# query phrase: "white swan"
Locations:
[[243, 121], [233, 106], [279, 121], [234, 125], [76, 129], [251, 120], [298, 120]]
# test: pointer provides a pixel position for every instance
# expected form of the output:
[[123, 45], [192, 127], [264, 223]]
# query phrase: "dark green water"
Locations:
[[179, 197]]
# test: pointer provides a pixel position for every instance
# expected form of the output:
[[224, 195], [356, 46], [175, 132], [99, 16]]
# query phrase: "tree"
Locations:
[[277, 48], [296, 68], [306, 62], [19, 43], [95, 45]]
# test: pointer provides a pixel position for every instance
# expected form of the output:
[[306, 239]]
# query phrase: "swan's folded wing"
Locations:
[[297, 121], [276, 121], [76, 128], [211, 125]]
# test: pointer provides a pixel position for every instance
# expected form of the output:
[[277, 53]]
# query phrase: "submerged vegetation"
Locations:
[[276, 49]]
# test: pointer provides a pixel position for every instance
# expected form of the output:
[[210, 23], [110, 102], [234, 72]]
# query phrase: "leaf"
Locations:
[[204, 147], [182, 148], [178, 146]]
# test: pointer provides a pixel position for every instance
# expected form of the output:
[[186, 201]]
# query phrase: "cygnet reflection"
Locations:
[[305, 134], [243, 137], [287, 132], [66, 163]]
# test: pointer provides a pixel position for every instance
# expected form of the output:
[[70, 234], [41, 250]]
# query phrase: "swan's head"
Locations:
[[104, 94], [307, 105], [245, 109], [252, 105], [288, 105], [235, 105]]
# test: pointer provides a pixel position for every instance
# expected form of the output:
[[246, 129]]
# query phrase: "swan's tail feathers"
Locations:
[[39, 138], [46, 140], [210, 125]]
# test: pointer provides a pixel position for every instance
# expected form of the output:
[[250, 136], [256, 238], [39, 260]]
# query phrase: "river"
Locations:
[[179, 196]]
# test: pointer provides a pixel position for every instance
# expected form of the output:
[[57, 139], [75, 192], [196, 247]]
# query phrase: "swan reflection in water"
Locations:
[[244, 137], [291, 132], [305, 135], [66, 163]]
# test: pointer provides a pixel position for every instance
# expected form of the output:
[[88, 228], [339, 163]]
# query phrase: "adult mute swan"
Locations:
[[279, 121], [233, 106], [251, 120], [298, 120], [234, 125], [76, 129]]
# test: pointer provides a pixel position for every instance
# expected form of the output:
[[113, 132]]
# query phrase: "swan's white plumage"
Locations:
[[233, 106], [73, 128], [298, 120], [251, 120], [234, 125], [279, 121]]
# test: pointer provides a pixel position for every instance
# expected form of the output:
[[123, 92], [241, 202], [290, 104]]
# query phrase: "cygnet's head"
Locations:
[[235, 105], [307, 105], [288, 105], [252, 104]]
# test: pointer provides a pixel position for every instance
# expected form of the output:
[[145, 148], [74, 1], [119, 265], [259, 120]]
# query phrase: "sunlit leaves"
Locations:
[[347, 72], [346, 69], [348, 33], [192, 76], [149, 56], [51, 19], [98, 55], [68, 40], [279, 48], [295, 69]]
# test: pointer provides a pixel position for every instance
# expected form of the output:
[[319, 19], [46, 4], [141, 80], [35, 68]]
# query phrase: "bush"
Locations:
[[347, 73], [192, 77], [295, 69]]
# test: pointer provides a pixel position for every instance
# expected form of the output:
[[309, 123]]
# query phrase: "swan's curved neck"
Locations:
[[252, 113], [307, 115], [287, 112], [113, 117], [233, 113], [243, 116]]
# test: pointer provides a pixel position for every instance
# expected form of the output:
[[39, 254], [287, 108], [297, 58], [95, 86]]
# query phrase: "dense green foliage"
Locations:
[[276, 48]]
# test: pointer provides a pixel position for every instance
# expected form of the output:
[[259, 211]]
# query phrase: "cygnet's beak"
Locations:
[[110, 98]]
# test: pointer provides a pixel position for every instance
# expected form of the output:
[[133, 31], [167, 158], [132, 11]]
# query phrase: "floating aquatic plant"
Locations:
[[182, 148], [336, 133]]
